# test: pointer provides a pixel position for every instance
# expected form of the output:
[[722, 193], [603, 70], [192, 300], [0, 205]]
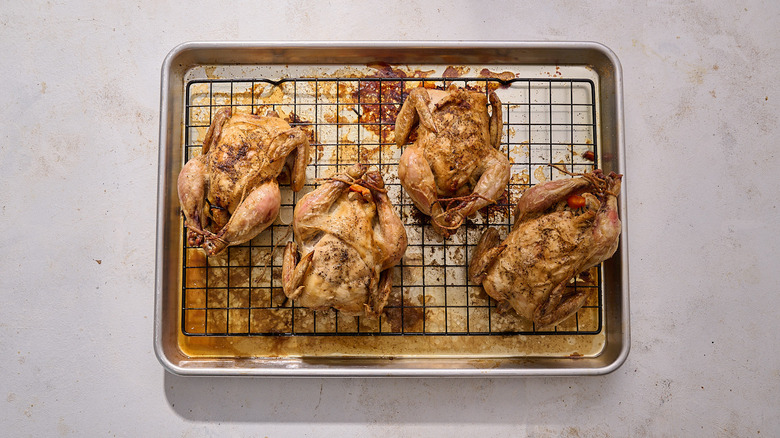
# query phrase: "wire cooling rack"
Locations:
[[547, 121]]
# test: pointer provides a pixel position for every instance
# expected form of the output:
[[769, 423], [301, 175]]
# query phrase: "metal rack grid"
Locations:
[[550, 121]]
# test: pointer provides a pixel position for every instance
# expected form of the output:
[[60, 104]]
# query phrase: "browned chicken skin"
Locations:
[[561, 228], [349, 238], [229, 194], [455, 154]]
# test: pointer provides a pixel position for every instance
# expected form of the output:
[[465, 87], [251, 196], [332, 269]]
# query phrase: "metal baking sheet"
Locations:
[[228, 316]]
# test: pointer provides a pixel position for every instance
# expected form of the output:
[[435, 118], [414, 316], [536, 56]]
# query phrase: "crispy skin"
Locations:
[[230, 193], [549, 245], [350, 238], [249, 152]]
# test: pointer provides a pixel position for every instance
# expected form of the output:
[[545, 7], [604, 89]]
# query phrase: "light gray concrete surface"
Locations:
[[79, 99]]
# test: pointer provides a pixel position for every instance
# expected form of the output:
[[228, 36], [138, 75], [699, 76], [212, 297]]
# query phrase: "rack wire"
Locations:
[[547, 121]]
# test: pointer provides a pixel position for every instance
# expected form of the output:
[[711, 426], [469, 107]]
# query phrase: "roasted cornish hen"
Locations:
[[349, 238], [229, 193], [454, 167], [561, 228]]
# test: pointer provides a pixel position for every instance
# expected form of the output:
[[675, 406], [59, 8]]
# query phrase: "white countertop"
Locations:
[[80, 104]]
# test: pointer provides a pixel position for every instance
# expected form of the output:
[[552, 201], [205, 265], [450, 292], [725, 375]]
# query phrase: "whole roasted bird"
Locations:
[[349, 238], [562, 228], [454, 167], [230, 193]]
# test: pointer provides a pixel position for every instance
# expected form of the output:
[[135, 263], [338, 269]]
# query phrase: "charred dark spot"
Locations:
[[230, 157], [450, 72], [419, 218], [240, 152], [504, 77], [385, 70], [380, 100], [307, 126], [343, 256]]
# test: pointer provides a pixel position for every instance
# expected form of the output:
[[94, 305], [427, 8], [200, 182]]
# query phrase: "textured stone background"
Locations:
[[79, 99]]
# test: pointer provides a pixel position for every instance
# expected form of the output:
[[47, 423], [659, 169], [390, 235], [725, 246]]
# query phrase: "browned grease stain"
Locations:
[[456, 256], [209, 70], [348, 150], [413, 319], [589, 155], [455, 72], [261, 94], [417, 217], [412, 272], [318, 151], [387, 70], [368, 154], [380, 102], [503, 76], [408, 319], [539, 174], [393, 346], [478, 295], [554, 74]]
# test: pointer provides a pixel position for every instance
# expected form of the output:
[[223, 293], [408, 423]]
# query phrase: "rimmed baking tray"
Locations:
[[227, 316]]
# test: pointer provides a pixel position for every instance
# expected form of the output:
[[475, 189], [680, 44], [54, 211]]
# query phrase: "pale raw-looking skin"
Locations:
[[548, 246], [349, 238], [455, 155], [230, 193]]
